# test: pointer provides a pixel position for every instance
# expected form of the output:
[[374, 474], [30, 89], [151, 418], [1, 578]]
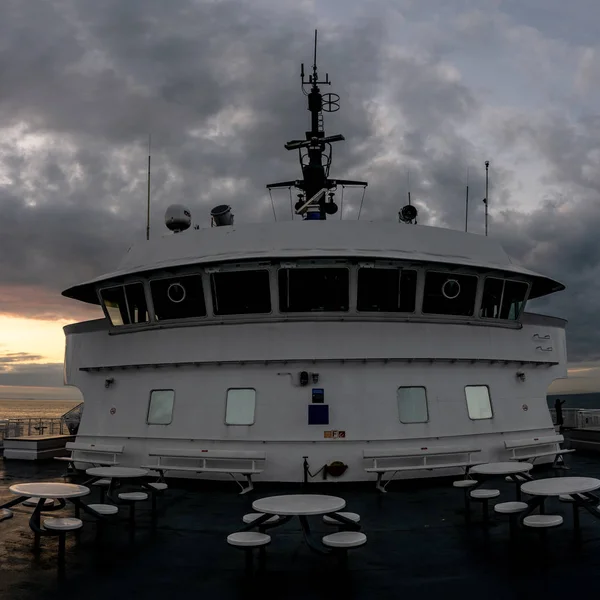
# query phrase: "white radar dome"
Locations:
[[178, 218]]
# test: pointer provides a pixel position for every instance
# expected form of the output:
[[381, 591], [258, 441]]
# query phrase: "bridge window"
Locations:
[[160, 410], [478, 402], [502, 298], [449, 294], [240, 406], [386, 290], [412, 405], [125, 304], [317, 289], [178, 297], [241, 292]]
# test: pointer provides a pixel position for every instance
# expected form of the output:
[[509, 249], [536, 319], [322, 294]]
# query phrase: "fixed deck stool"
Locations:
[[512, 509], [354, 517], [251, 517], [48, 502], [465, 485], [60, 527], [484, 495], [102, 484], [248, 541], [105, 510], [342, 541], [542, 523], [131, 498], [156, 488]]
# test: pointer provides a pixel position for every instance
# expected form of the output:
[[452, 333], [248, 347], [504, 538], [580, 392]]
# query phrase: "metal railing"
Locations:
[[67, 424]]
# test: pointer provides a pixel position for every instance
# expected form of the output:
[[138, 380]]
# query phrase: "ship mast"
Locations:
[[317, 190]]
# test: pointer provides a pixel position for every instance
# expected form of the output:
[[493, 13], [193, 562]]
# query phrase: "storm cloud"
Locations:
[[427, 92]]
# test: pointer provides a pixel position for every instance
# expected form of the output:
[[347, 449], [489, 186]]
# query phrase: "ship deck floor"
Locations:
[[418, 547]]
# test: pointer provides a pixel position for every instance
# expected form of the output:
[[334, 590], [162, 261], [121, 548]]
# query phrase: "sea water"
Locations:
[[32, 409]]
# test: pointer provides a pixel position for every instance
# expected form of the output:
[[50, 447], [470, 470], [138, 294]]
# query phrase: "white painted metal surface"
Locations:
[[501, 468], [557, 486], [331, 238], [359, 361], [49, 490], [299, 504]]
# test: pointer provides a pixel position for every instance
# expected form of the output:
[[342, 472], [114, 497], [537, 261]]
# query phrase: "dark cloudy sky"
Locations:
[[430, 86]]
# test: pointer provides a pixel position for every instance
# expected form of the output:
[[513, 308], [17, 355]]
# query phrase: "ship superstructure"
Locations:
[[314, 338]]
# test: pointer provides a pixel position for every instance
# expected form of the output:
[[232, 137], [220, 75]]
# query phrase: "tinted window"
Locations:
[[502, 299], [386, 290], [449, 294], [478, 402], [160, 409], [313, 289], [178, 297], [241, 292], [126, 304], [240, 406], [412, 405]]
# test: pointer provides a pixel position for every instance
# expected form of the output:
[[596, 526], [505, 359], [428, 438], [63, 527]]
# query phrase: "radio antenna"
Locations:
[[467, 204], [148, 212], [485, 200], [408, 184]]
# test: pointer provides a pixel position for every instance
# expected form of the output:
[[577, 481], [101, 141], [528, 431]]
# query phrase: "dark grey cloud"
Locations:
[[217, 85], [11, 358]]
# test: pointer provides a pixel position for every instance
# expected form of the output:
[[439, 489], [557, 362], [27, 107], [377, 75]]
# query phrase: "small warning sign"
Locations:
[[334, 434]]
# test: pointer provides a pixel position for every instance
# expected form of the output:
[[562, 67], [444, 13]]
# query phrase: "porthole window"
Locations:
[[412, 405], [240, 406], [160, 409], [479, 404]]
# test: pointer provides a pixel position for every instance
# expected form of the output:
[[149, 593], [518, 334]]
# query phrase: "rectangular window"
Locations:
[[502, 299], [126, 304], [241, 292], [386, 290], [314, 289], [449, 294], [160, 410], [240, 406], [412, 405], [178, 297], [478, 402]]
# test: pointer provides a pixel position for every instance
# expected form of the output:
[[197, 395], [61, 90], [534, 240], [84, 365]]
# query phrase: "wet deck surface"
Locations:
[[418, 547]]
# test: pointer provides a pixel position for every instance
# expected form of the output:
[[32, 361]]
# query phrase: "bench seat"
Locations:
[[424, 458], [239, 462], [537, 447], [420, 467], [102, 455], [239, 471]]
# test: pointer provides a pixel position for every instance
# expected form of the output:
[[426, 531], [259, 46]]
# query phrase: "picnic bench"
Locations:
[[231, 462], [424, 458], [93, 454], [528, 449]]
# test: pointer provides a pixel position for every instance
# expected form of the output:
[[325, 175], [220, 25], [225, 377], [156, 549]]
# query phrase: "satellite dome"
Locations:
[[178, 218]]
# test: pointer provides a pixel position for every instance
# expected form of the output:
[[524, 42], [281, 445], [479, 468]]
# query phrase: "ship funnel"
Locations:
[[221, 215]]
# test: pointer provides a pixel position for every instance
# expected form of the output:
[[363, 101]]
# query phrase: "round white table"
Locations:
[[49, 490], [299, 504], [115, 474], [302, 506], [44, 490], [558, 486], [501, 468], [512, 469]]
